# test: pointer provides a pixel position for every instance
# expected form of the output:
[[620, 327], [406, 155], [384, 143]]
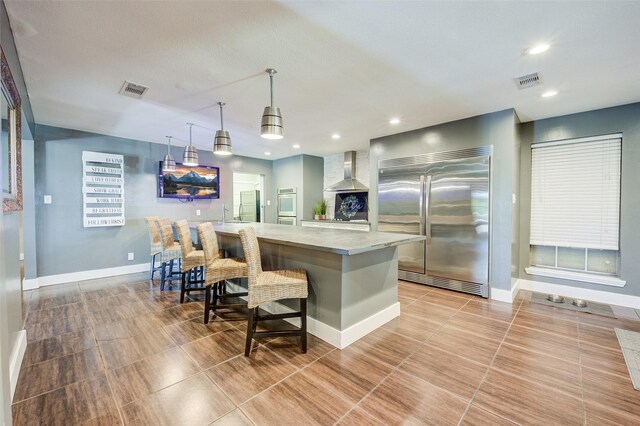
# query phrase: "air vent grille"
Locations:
[[133, 90], [528, 80]]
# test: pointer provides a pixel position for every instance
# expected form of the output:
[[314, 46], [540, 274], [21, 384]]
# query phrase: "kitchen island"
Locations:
[[353, 275]]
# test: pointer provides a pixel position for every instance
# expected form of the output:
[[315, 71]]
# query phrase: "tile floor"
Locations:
[[114, 351]]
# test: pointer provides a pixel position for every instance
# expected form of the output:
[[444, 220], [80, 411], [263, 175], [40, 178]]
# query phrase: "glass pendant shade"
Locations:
[[190, 156], [169, 163], [271, 126], [222, 140]]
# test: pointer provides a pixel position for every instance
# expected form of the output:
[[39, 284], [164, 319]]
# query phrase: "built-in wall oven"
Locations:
[[282, 220], [287, 206]]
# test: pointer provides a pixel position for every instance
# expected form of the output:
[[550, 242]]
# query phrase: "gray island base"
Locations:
[[353, 275]]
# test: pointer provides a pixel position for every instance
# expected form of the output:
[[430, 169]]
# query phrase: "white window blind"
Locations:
[[575, 192]]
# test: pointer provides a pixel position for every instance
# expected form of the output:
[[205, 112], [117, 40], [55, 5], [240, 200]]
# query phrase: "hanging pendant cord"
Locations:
[[221, 119], [271, 84]]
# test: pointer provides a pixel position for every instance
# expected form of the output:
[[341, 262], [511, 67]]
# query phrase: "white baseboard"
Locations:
[[15, 360], [34, 283], [505, 295], [581, 293], [367, 325], [333, 336]]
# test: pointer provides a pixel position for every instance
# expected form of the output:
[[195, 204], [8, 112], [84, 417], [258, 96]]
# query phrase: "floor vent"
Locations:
[[133, 90], [528, 80]]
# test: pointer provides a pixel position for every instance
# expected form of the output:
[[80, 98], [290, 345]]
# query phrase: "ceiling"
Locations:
[[343, 67]]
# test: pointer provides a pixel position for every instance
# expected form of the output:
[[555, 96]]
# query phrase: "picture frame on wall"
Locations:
[[189, 182]]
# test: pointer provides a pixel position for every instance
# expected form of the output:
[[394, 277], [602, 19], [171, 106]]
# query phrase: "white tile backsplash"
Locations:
[[334, 172]]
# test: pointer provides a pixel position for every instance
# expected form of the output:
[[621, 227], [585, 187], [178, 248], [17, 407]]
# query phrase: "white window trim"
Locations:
[[576, 276]]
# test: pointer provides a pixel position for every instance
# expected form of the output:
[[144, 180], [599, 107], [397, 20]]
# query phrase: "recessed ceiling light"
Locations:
[[549, 93], [538, 48], [296, 146], [335, 136], [267, 153], [394, 120]]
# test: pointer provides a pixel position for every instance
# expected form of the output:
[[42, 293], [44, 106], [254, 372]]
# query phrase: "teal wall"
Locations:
[[65, 246], [498, 129], [625, 119]]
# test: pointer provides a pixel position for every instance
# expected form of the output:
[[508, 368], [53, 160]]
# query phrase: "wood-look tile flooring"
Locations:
[[116, 351]]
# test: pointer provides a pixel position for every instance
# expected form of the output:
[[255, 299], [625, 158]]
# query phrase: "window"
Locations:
[[575, 205]]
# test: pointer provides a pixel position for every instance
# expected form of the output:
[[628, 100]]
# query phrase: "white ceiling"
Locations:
[[343, 67]]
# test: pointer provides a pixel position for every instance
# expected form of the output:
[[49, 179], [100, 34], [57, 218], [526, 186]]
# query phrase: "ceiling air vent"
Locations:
[[528, 80], [134, 90]]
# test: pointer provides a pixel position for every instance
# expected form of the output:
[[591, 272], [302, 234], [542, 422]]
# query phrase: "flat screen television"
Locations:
[[197, 182]]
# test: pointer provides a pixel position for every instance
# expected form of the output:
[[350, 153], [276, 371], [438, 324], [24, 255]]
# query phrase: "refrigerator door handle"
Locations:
[[421, 206], [427, 195]]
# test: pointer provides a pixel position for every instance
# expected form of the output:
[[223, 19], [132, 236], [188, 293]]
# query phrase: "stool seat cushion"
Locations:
[[172, 252], [277, 285], [192, 260], [225, 269]]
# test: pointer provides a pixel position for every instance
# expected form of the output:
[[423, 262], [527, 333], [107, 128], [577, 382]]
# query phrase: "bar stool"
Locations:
[[267, 286], [171, 251], [217, 270], [155, 241], [192, 261]]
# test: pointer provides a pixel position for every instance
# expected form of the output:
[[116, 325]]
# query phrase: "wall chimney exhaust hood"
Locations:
[[349, 183]]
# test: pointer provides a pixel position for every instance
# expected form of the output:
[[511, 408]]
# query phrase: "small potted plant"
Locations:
[[323, 210], [317, 211]]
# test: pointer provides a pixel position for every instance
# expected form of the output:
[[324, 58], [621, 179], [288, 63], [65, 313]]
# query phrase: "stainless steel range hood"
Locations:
[[349, 183]]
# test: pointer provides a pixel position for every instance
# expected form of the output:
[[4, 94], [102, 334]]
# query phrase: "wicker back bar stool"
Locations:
[[192, 265], [171, 252], [267, 286], [217, 271], [155, 243]]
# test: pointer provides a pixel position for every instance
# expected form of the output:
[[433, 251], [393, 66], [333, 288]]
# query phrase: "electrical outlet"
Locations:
[[130, 256], [268, 202], [513, 198], [47, 199], [198, 212]]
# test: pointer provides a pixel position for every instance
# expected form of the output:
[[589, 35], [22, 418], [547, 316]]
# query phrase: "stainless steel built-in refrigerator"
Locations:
[[249, 209], [444, 196]]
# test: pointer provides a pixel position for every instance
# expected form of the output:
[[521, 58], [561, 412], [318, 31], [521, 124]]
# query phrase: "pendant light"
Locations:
[[271, 127], [222, 141], [190, 157], [169, 163]]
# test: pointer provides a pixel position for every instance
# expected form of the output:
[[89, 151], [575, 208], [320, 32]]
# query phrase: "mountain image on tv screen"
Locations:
[[190, 182]]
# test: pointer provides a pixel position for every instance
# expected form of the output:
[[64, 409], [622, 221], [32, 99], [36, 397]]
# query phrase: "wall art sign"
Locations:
[[102, 189]]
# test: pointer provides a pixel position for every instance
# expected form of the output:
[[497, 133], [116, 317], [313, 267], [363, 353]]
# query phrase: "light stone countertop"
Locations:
[[339, 241]]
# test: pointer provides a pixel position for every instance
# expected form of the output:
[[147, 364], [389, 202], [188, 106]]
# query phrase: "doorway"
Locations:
[[248, 197]]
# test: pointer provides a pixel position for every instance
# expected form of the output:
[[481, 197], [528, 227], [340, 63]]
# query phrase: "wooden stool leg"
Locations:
[[207, 303], [251, 326], [214, 301], [163, 275], [303, 325], [183, 286]]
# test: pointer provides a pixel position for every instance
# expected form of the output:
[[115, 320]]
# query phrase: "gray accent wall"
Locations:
[[312, 176], [29, 211], [625, 119], [498, 129], [305, 173], [65, 246]]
